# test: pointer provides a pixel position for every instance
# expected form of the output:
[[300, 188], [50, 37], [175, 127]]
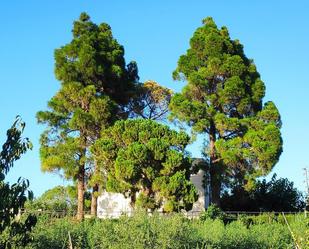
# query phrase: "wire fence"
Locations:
[[233, 215]]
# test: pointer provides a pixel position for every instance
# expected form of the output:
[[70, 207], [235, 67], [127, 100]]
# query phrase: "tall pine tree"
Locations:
[[223, 100], [96, 85]]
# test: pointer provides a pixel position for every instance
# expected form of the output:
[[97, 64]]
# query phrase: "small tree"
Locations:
[[59, 199], [13, 230], [142, 156], [223, 99]]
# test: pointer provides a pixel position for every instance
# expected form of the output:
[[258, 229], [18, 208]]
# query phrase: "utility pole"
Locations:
[[307, 189]]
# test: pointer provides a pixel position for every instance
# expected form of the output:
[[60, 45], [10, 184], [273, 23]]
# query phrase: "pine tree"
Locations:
[[223, 98], [96, 86], [148, 158]]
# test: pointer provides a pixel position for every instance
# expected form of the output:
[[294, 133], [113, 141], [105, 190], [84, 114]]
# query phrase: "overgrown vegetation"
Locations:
[[173, 231]]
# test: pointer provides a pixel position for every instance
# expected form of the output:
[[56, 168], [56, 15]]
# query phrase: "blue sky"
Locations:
[[155, 33]]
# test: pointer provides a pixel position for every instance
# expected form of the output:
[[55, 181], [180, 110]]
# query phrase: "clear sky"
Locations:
[[155, 33]]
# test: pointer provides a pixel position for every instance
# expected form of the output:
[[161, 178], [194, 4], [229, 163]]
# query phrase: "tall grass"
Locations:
[[160, 232]]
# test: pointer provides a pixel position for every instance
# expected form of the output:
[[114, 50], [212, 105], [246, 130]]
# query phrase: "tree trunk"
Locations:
[[133, 199], [80, 193], [214, 169], [94, 200], [215, 186]]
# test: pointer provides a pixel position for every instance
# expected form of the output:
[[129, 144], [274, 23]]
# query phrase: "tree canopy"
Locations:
[[145, 157], [94, 57], [223, 98], [276, 195]]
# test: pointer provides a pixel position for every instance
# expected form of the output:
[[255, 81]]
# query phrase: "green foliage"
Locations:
[[55, 234], [213, 212], [75, 118], [14, 229], [278, 195], [94, 57], [223, 98], [14, 147], [55, 200], [300, 230], [147, 157], [142, 231], [58, 201], [157, 231]]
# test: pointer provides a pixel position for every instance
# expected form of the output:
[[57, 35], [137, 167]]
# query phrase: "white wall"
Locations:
[[112, 205]]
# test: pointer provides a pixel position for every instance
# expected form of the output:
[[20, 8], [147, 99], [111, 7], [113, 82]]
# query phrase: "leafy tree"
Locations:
[[223, 99], [96, 86], [213, 213], [13, 230], [278, 195], [59, 198], [150, 101], [142, 156]]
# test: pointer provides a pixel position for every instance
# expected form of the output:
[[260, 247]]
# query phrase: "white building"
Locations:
[[112, 205]]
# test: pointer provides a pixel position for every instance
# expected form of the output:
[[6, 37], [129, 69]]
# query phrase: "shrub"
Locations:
[[213, 212]]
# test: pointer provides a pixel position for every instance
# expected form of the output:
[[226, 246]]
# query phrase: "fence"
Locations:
[[232, 215]]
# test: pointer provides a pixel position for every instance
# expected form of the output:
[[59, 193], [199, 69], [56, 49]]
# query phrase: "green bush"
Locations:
[[213, 212]]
